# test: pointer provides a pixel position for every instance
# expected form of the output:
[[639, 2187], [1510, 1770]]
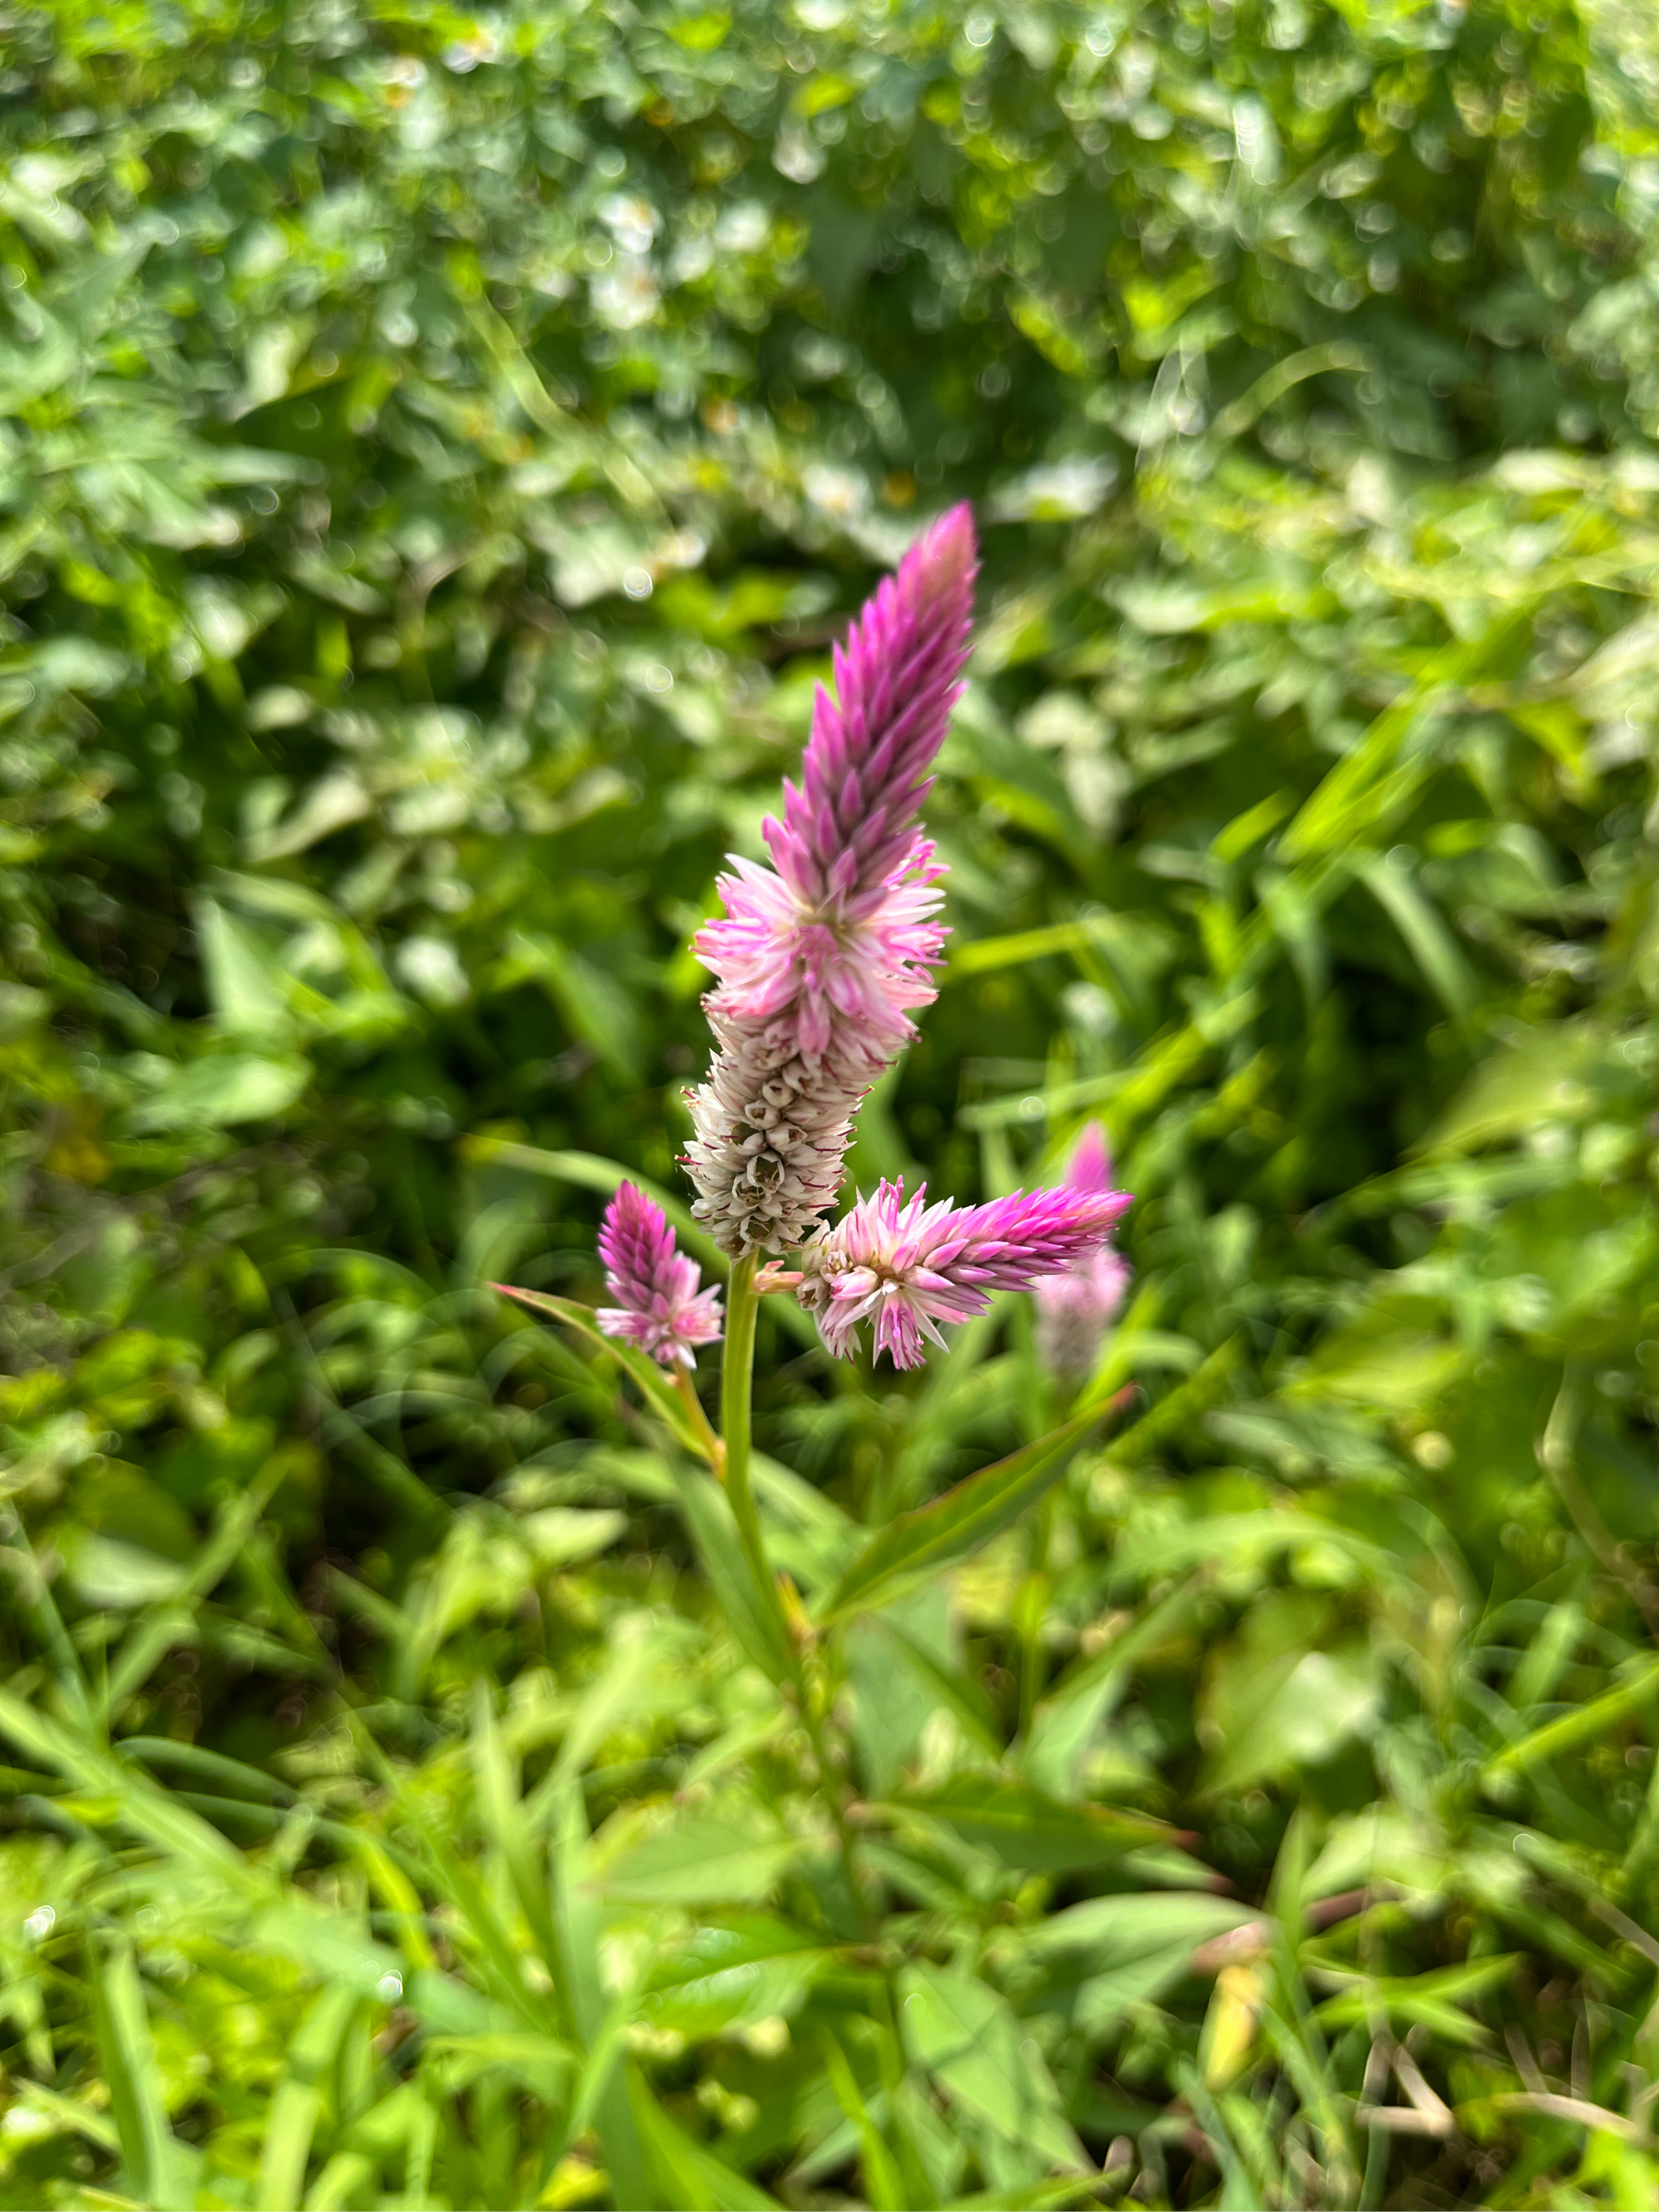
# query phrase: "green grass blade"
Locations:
[[298, 2103], [150, 2151]]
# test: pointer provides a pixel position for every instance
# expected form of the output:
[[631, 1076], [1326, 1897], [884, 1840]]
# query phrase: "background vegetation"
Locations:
[[437, 450]]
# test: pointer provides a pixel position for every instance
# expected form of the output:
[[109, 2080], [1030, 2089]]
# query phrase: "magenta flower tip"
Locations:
[[658, 1306], [1090, 1167], [906, 1268], [822, 959], [849, 825]]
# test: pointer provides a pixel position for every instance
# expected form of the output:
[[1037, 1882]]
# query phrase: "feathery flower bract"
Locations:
[[1075, 1309], [659, 1306], [906, 1266], [821, 958]]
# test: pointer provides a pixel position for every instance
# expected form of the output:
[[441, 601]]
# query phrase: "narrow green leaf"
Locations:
[[1430, 2001], [924, 1542], [1236, 2191], [1427, 938], [967, 2036], [1113, 1931], [882, 2183], [154, 1633], [1354, 795], [688, 2177], [1204, 1387], [959, 1697], [149, 2150], [458, 1881], [702, 1861], [149, 1812], [984, 956], [1027, 1829], [68, 2111], [501, 1805], [298, 2103], [615, 2089], [347, 2175], [1067, 1718], [1582, 1725]]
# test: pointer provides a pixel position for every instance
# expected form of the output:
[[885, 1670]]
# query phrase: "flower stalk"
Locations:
[[702, 1428], [737, 1393]]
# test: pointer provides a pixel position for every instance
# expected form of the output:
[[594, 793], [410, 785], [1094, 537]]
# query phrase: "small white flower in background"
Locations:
[[681, 549], [691, 258], [743, 228], [40, 1923], [624, 296], [840, 492], [631, 220], [1058, 491], [432, 969], [389, 1988], [464, 54], [798, 157]]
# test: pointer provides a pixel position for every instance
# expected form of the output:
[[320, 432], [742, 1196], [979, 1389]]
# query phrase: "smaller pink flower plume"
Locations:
[[906, 1266], [1076, 1308], [659, 1306]]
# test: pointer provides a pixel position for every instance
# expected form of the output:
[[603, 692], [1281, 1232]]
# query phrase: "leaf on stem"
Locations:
[[1026, 1828], [938, 1536]]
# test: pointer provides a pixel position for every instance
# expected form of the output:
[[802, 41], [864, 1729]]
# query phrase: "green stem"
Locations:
[[707, 1442], [737, 1385]]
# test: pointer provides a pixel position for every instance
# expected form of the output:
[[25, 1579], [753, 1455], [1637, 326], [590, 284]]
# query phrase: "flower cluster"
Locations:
[[905, 1266], [820, 959], [657, 1305], [1075, 1309]]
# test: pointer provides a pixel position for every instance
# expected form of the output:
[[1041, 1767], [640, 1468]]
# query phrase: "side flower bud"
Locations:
[[657, 1305], [1075, 1309], [906, 1267]]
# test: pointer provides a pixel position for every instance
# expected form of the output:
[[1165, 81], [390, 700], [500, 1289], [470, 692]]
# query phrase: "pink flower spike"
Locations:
[[906, 1268], [659, 1306], [1075, 1309], [865, 774], [821, 959]]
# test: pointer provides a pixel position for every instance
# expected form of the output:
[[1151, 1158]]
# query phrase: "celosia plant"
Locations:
[[821, 961]]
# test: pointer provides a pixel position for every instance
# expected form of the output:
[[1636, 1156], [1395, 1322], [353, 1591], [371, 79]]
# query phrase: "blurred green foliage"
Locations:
[[436, 451]]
